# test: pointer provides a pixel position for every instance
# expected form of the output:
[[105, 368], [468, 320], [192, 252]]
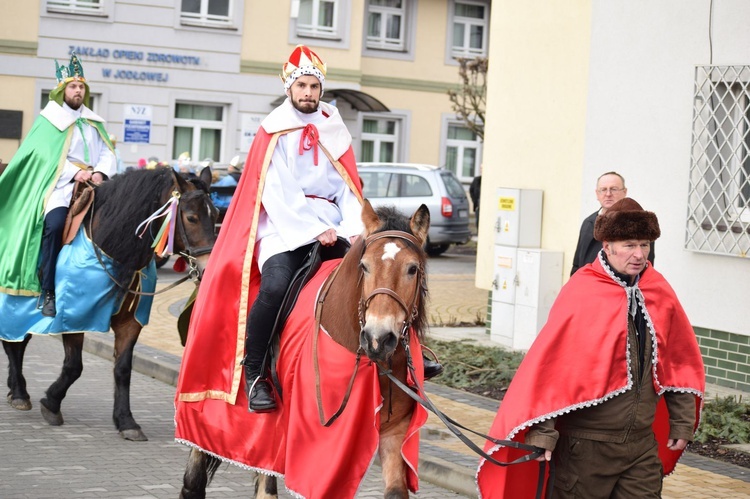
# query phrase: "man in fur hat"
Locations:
[[613, 385], [67, 144]]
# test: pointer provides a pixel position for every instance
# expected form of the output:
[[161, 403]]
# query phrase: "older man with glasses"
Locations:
[[610, 188]]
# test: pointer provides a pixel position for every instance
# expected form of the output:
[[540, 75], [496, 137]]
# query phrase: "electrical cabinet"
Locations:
[[526, 278], [518, 221]]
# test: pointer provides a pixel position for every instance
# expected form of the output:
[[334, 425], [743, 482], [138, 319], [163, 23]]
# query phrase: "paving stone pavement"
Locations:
[[86, 458], [64, 462]]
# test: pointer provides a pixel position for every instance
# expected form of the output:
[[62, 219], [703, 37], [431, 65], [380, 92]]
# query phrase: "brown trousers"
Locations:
[[587, 469]]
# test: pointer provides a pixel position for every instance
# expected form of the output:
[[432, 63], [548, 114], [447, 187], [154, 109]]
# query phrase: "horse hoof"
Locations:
[[19, 404], [134, 435], [53, 419]]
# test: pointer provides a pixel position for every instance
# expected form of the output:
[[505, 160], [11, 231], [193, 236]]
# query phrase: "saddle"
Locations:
[[83, 197], [311, 264]]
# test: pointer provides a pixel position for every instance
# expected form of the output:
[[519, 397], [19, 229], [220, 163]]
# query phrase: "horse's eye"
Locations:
[[192, 219], [413, 269], [363, 267]]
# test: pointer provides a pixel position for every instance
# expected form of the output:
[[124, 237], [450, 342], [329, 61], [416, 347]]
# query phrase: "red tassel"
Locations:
[[180, 265]]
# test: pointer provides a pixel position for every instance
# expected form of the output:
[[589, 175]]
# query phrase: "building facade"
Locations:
[[198, 76], [659, 92]]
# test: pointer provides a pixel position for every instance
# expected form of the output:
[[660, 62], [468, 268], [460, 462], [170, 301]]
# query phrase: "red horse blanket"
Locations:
[[316, 461]]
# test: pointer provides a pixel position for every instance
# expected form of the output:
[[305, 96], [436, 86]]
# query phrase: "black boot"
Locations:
[[431, 368], [259, 393], [48, 306]]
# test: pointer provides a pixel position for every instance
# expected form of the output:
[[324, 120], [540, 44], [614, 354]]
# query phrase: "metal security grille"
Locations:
[[719, 196]]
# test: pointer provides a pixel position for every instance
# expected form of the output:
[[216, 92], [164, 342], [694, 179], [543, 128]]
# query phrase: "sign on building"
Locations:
[[137, 123]]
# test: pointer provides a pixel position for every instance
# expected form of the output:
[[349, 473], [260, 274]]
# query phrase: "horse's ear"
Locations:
[[181, 182], [206, 176], [420, 223], [369, 218]]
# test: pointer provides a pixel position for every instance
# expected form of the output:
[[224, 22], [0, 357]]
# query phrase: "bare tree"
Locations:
[[470, 101]]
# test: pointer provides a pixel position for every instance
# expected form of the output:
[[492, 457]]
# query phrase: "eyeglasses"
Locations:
[[611, 190]]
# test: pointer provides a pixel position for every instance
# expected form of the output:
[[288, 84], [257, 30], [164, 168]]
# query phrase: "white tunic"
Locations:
[[302, 200], [100, 157]]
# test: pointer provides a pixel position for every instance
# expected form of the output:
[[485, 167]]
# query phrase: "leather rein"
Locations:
[[421, 396]]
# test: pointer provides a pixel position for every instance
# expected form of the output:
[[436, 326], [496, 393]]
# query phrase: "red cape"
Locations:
[[580, 357], [210, 403]]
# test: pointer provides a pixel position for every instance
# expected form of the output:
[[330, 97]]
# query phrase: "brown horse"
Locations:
[[374, 302], [119, 206]]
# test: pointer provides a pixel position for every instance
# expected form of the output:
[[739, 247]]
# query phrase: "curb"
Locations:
[[165, 367]]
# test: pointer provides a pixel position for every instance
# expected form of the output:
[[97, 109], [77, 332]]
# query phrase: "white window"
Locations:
[[318, 18], [719, 195], [211, 13], [91, 7], [386, 24], [380, 137], [469, 27], [199, 130], [463, 150]]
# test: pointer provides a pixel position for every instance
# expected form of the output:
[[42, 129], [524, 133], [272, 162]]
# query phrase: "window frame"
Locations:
[[381, 41], [104, 10], [379, 138], [338, 38], [466, 52], [409, 28], [445, 142], [718, 205], [200, 124], [202, 20]]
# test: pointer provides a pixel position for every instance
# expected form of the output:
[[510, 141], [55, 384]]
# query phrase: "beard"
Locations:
[[73, 102], [306, 107]]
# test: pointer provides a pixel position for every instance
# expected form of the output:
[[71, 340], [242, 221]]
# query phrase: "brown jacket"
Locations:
[[628, 415]]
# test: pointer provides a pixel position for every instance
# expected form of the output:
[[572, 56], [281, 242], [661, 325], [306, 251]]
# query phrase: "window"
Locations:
[[199, 131], [379, 184], [91, 7], [380, 139], [469, 26], [211, 13], [719, 194], [386, 24], [462, 151], [415, 186], [317, 18]]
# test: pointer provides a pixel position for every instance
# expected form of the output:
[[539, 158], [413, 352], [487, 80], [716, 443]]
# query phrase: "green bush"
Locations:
[[478, 369], [726, 419]]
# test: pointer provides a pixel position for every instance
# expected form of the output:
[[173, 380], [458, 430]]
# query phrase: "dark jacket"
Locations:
[[474, 190], [588, 248]]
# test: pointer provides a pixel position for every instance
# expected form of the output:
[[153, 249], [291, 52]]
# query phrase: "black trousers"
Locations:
[[275, 279], [54, 225]]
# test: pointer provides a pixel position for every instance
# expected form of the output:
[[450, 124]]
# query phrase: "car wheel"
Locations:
[[160, 261], [436, 249]]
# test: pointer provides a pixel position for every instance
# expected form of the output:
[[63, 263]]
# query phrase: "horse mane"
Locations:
[[392, 219], [120, 205]]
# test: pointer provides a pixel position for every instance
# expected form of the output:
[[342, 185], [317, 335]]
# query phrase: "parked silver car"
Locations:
[[406, 186]]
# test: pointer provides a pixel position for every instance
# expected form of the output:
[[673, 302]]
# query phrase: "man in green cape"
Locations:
[[66, 144]]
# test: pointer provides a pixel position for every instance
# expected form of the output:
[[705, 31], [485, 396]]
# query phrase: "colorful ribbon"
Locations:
[[164, 241]]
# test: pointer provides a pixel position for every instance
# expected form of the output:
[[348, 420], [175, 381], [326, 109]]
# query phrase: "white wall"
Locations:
[[639, 113]]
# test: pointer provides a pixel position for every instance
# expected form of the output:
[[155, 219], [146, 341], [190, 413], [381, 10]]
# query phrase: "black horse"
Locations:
[[119, 206]]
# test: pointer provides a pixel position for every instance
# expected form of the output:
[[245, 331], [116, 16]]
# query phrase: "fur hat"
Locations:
[[625, 220]]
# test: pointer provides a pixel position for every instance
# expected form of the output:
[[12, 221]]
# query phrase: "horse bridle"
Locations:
[[411, 313], [190, 254], [410, 310]]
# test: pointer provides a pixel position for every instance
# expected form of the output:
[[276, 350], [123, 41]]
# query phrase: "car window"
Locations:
[[378, 184], [452, 186], [415, 185]]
